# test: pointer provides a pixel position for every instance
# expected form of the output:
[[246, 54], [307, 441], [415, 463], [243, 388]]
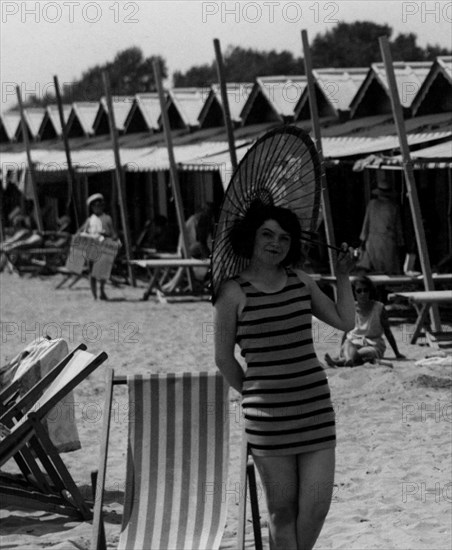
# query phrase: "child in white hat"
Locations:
[[98, 225]]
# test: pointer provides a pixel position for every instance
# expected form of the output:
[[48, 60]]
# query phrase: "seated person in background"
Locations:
[[22, 238], [365, 343], [199, 232], [156, 235], [98, 225]]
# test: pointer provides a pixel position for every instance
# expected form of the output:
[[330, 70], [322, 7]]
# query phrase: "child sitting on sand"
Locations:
[[365, 343]]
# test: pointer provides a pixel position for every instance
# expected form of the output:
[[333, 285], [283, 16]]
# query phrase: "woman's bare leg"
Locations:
[[316, 479], [93, 284], [368, 354], [280, 481], [350, 354]]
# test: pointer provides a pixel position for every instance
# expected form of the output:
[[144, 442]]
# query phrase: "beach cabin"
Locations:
[[33, 119], [184, 107], [143, 115], [273, 99], [10, 123], [335, 90], [435, 93], [51, 125], [373, 97], [121, 107], [81, 119], [212, 111]]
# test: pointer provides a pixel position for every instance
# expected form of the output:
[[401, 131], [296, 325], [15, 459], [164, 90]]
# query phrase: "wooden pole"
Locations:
[[326, 205], [2, 235], [225, 103], [173, 168], [119, 177], [70, 168], [31, 169], [409, 177]]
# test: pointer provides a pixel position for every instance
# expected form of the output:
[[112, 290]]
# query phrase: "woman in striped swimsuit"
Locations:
[[289, 419]]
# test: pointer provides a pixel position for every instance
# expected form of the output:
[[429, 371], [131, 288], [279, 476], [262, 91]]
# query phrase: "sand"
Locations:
[[393, 483]]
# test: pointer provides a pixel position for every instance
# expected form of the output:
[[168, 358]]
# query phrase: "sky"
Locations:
[[40, 39]]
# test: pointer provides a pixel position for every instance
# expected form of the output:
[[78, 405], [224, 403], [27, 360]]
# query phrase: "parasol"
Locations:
[[281, 169]]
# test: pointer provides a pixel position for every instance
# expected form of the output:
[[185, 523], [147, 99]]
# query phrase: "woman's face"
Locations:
[[97, 207], [362, 293], [272, 243]]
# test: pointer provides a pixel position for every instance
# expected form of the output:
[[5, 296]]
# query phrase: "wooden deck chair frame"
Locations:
[[10, 395], [47, 484], [98, 541], [13, 407]]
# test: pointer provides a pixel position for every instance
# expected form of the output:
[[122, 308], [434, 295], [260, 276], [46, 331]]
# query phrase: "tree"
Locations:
[[356, 45], [130, 73], [241, 65], [349, 45], [199, 76], [244, 65]]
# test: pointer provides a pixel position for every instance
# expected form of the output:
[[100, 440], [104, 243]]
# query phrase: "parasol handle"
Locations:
[[336, 248]]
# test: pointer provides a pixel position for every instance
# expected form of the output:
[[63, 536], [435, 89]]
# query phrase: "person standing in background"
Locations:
[[98, 225], [381, 235]]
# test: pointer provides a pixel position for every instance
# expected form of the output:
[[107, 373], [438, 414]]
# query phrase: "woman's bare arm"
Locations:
[[225, 323]]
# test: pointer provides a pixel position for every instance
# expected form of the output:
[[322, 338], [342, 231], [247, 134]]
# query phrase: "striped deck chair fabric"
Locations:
[[177, 462]]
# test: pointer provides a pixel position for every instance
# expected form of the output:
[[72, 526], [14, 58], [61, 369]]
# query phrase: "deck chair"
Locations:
[[177, 462], [45, 482], [19, 396]]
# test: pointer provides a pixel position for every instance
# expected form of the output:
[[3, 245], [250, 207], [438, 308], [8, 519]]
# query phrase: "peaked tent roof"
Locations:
[[435, 93], [372, 96], [121, 107], [33, 119], [188, 102], [335, 90], [273, 98], [8, 125], [51, 126], [81, 118], [4, 137], [11, 121], [144, 114], [212, 112]]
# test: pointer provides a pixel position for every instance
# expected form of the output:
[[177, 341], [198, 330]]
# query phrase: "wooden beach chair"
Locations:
[[422, 301], [45, 483], [177, 462], [159, 269]]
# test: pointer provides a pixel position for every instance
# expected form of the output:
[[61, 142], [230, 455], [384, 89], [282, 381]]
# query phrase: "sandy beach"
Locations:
[[393, 483]]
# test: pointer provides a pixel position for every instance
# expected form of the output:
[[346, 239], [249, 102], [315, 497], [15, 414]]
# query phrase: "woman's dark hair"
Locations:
[[367, 283], [243, 233]]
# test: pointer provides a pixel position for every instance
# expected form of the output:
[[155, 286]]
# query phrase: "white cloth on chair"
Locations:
[[30, 365]]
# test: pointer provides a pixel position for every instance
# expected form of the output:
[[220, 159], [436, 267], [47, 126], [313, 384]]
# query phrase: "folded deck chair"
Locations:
[[24, 371], [45, 482], [23, 391], [177, 462]]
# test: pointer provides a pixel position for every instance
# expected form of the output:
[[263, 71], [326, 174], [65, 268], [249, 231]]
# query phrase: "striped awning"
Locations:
[[435, 157], [211, 155]]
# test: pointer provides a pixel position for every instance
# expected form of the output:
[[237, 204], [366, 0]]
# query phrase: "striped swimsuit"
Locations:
[[286, 398]]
